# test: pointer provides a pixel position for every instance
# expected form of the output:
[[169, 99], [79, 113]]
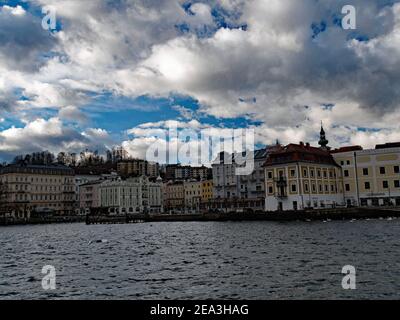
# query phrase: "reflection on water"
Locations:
[[201, 260]]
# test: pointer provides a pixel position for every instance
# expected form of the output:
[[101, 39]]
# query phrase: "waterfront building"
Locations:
[[228, 184], [174, 200], [134, 195], [79, 180], [206, 190], [299, 176], [89, 196], [27, 190], [370, 177], [192, 190], [234, 205]]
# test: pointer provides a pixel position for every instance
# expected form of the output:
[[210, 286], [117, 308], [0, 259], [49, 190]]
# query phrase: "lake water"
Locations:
[[202, 260]]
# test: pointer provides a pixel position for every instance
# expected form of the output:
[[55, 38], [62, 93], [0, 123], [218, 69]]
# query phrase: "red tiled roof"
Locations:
[[299, 153]]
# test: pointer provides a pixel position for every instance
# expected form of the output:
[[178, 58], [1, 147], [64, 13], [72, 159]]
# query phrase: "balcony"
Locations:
[[281, 182]]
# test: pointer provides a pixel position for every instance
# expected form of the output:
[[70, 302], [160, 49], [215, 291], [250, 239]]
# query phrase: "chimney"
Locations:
[[307, 144], [302, 143]]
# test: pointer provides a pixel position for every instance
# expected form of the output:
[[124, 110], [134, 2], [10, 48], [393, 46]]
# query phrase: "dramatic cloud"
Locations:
[[23, 44], [283, 64]]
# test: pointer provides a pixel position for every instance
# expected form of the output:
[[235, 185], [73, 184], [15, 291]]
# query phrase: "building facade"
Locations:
[[178, 172], [207, 190], [27, 190], [174, 200], [228, 184], [370, 177], [135, 195], [137, 168], [300, 176], [192, 195], [89, 196], [79, 180]]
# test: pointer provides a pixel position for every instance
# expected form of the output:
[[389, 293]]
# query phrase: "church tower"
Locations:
[[323, 142]]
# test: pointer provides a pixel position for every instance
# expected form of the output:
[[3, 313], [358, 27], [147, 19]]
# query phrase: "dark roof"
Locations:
[[258, 154], [299, 153], [347, 149], [37, 169], [388, 145], [262, 153]]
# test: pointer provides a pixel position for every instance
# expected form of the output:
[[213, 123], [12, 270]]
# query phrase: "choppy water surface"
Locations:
[[218, 260]]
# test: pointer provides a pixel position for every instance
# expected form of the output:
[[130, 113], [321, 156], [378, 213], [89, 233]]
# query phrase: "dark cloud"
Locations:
[[24, 44]]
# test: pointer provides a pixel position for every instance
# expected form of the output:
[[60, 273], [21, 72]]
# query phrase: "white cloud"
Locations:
[[52, 135], [17, 11], [271, 71]]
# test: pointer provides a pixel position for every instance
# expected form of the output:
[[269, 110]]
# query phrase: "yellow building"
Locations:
[[370, 177], [300, 176], [206, 190], [192, 195]]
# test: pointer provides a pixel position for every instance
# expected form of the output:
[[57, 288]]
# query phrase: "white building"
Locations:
[[135, 195], [81, 179], [229, 184]]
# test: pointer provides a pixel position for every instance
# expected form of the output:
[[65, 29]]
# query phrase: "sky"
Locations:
[[117, 72]]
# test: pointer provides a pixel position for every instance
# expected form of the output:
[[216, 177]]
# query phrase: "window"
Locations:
[[294, 188], [270, 190], [269, 175], [319, 173], [382, 170], [367, 185], [342, 163], [314, 188], [348, 162], [365, 171], [396, 169], [347, 187], [325, 174], [385, 184], [292, 173], [346, 173], [306, 187], [305, 173], [397, 183], [312, 173]]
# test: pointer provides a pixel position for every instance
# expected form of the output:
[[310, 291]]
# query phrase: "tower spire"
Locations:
[[323, 142]]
